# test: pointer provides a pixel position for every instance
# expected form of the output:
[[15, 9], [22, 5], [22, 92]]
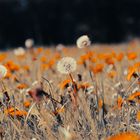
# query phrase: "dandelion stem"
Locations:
[[75, 91]]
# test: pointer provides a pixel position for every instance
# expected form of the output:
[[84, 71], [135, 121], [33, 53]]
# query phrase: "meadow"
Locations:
[[82, 92]]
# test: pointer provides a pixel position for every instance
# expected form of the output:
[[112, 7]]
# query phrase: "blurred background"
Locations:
[[51, 22]]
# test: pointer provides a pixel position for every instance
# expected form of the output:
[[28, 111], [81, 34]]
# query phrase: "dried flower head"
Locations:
[[29, 43], [83, 41], [66, 65], [3, 71], [19, 51]]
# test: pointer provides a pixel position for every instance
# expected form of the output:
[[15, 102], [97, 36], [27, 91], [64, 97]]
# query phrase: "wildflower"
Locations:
[[66, 65], [138, 116], [26, 67], [8, 75], [97, 68], [83, 41], [15, 112], [133, 96], [100, 103], [109, 61], [27, 104], [64, 83], [119, 102], [3, 71], [12, 66], [119, 57], [112, 74], [43, 59], [19, 51], [84, 86], [18, 113], [29, 43], [22, 86], [39, 50], [93, 60], [51, 63], [57, 56], [59, 110], [3, 57], [125, 136], [132, 55], [131, 72]]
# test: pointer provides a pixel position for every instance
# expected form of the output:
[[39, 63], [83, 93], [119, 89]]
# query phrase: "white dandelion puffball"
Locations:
[[59, 47], [3, 71], [19, 51], [83, 41], [66, 65], [29, 43]]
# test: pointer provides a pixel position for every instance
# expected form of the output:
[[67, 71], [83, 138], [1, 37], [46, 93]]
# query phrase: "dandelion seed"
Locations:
[[83, 41], [3, 71], [29, 43], [66, 65]]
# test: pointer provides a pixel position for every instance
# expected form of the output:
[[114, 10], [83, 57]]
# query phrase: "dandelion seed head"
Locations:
[[66, 65], [83, 42], [19, 51], [3, 71], [59, 47], [29, 43]]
